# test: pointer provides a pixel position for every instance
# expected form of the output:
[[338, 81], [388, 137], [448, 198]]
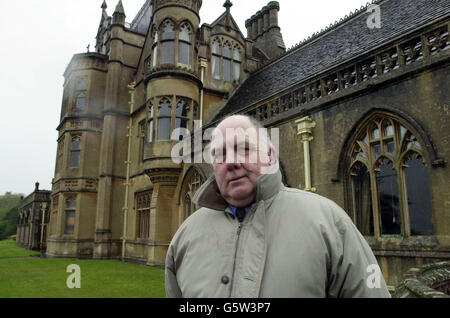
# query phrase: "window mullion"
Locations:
[[375, 203], [406, 228]]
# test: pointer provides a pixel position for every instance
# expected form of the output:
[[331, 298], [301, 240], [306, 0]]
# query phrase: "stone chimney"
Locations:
[[263, 29], [36, 186]]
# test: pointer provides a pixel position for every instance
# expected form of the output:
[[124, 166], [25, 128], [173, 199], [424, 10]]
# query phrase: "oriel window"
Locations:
[[167, 44], [155, 48], [182, 115], [184, 45], [151, 115], [164, 119]]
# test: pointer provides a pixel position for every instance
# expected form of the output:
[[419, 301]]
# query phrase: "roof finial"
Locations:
[[104, 5], [228, 5], [119, 8]]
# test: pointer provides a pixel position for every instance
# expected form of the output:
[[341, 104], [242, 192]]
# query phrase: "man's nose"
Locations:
[[233, 165]]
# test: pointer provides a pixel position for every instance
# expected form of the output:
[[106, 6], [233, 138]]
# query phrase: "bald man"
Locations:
[[253, 237]]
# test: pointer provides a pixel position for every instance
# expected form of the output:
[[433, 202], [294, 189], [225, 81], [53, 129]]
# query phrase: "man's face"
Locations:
[[237, 160]]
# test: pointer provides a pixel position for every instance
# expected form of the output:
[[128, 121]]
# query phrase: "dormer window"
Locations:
[[216, 59], [225, 61], [237, 61]]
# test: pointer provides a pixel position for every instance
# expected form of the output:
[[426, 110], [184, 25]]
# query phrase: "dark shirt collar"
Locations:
[[234, 209]]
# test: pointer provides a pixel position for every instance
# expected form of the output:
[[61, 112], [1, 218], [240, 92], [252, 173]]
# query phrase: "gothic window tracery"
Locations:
[[226, 61], [184, 44], [173, 44], [164, 119], [388, 178], [172, 112], [182, 114], [168, 43]]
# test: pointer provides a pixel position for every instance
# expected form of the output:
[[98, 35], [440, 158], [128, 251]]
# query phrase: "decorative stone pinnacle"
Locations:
[[119, 8], [104, 5], [227, 5]]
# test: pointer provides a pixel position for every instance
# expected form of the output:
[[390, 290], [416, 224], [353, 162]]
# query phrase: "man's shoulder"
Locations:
[[305, 196], [311, 203], [200, 217]]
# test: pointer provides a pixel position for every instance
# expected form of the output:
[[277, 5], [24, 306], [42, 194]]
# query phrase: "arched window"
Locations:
[[226, 61], [182, 114], [192, 183], [215, 61], [184, 45], [188, 206], [237, 60], [388, 177], [167, 43], [155, 48], [151, 115], [164, 119]]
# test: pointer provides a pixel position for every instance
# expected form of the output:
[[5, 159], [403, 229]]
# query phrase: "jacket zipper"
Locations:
[[235, 256]]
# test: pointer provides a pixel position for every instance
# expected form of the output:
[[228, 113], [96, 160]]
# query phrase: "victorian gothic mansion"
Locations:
[[363, 114]]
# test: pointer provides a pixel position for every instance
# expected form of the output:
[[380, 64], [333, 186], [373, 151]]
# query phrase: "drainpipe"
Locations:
[[131, 88], [304, 130], [203, 65]]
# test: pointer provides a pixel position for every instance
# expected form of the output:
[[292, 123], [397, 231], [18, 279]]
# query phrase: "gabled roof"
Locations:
[[222, 20], [344, 41]]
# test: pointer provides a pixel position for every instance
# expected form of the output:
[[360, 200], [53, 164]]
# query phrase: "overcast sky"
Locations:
[[39, 38]]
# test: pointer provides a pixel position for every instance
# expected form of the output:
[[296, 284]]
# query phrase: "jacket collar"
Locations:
[[267, 185]]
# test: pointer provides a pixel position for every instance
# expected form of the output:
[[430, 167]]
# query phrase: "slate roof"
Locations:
[[342, 42], [142, 19]]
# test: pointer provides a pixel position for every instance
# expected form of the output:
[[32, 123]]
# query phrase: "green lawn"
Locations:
[[9, 249], [46, 278]]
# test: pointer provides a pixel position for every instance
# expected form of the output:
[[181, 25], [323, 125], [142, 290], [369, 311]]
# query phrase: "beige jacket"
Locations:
[[291, 244]]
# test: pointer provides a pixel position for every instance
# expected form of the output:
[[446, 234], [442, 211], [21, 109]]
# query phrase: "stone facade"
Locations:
[[33, 220], [369, 100]]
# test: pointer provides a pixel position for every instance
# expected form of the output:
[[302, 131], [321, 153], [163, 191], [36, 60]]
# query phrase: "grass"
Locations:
[[46, 278], [9, 249]]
